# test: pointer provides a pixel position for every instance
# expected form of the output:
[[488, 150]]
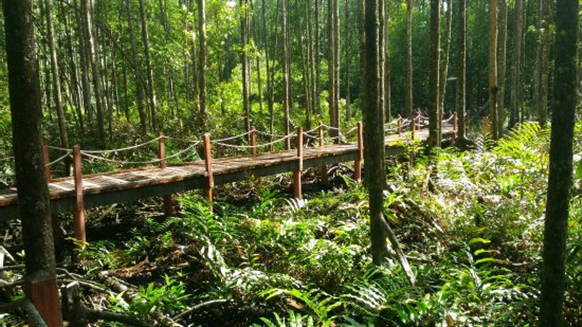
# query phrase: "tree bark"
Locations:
[[33, 193], [560, 179], [286, 71], [333, 64], [446, 56], [387, 89], [493, 87], [348, 59], [202, 61], [408, 100], [139, 88], [543, 72], [374, 132], [462, 72], [434, 136], [502, 64], [517, 85], [58, 99], [149, 73]]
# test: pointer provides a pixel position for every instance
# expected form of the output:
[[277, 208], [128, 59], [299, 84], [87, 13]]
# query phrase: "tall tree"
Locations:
[[374, 131], [517, 84], [446, 54], [202, 59], [493, 87], [139, 92], [90, 51], [347, 62], [462, 71], [33, 193], [408, 100], [333, 63], [434, 138], [151, 92], [560, 179], [286, 71], [502, 64], [387, 89], [58, 99], [543, 67], [246, 65]]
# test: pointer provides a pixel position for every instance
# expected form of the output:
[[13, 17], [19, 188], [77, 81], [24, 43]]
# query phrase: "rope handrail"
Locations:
[[180, 140], [59, 149], [133, 147], [258, 145], [58, 160], [230, 138], [330, 127], [121, 162], [269, 134]]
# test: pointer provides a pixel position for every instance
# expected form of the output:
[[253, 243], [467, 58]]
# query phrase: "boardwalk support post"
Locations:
[[253, 137], [42, 290], [399, 128], [209, 173], [297, 171], [168, 204], [79, 211], [358, 163], [321, 145]]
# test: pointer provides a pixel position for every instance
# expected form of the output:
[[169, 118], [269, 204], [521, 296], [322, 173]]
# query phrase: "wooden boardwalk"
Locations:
[[128, 185]]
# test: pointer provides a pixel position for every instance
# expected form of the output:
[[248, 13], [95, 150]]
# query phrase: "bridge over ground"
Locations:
[[92, 190]]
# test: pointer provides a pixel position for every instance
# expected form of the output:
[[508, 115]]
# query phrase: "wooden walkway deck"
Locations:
[[128, 185]]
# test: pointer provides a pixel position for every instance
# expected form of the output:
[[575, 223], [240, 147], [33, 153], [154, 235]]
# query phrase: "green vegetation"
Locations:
[[470, 224]]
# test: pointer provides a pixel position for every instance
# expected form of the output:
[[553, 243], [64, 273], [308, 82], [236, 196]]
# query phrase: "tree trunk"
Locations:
[[387, 88], [286, 71], [493, 87], [33, 193], [408, 100], [362, 48], [517, 85], [502, 63], [382, 49], [348, 59], [304, 69], [446, 56], [202, 61], [149, 73], [374, 132], [91, 56], [462, 72], [58, 100], [560, 179], [333, 63], [543, 73], [434, 137], [139, 88]]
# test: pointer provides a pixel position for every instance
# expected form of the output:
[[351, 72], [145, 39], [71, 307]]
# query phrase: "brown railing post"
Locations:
[[297, 172], [413, 126], [47, 160], [168, 203], [43, 292], [358, 163], [209, 173], [253, 142], [321, 145], [79, 211], [399, 122]]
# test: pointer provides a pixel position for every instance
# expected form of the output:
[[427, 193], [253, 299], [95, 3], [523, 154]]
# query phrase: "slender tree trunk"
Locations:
[[462, 72], [58, 100], [362, 48], [139, 87], [286, 71], [33, 193], [270, 93], [86, 85], [374, 132], [543, 73], [502, 63], [382, 49], [348, 59], [304, 70], [317, 58], [493, 87], [560, 179], [408, 100], [73, 69], [246, 77], [312, 59], [434, 138], [387, 88], [333, 63], [446, 56], [517, 85], [202, 60], [149, 73]]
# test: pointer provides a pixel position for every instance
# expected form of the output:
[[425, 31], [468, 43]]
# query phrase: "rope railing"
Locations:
[[147, 162], [58, 159], [133, 147], [234, 146], [230, 138]]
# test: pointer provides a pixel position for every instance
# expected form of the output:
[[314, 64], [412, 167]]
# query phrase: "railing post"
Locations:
[[413, 126], [209, 173], [168, 204], [253, 136], [297, 172], [47, 160], [42, 290], [358, 163], [79, 211], [399, 122], [455, 126], [321, 145]]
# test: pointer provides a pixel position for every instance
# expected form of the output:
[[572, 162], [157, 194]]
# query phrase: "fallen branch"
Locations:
[[25, 304], [199, 306], [399, 253]]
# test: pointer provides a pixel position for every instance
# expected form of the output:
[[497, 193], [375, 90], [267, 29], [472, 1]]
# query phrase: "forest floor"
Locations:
[[470, 224]]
